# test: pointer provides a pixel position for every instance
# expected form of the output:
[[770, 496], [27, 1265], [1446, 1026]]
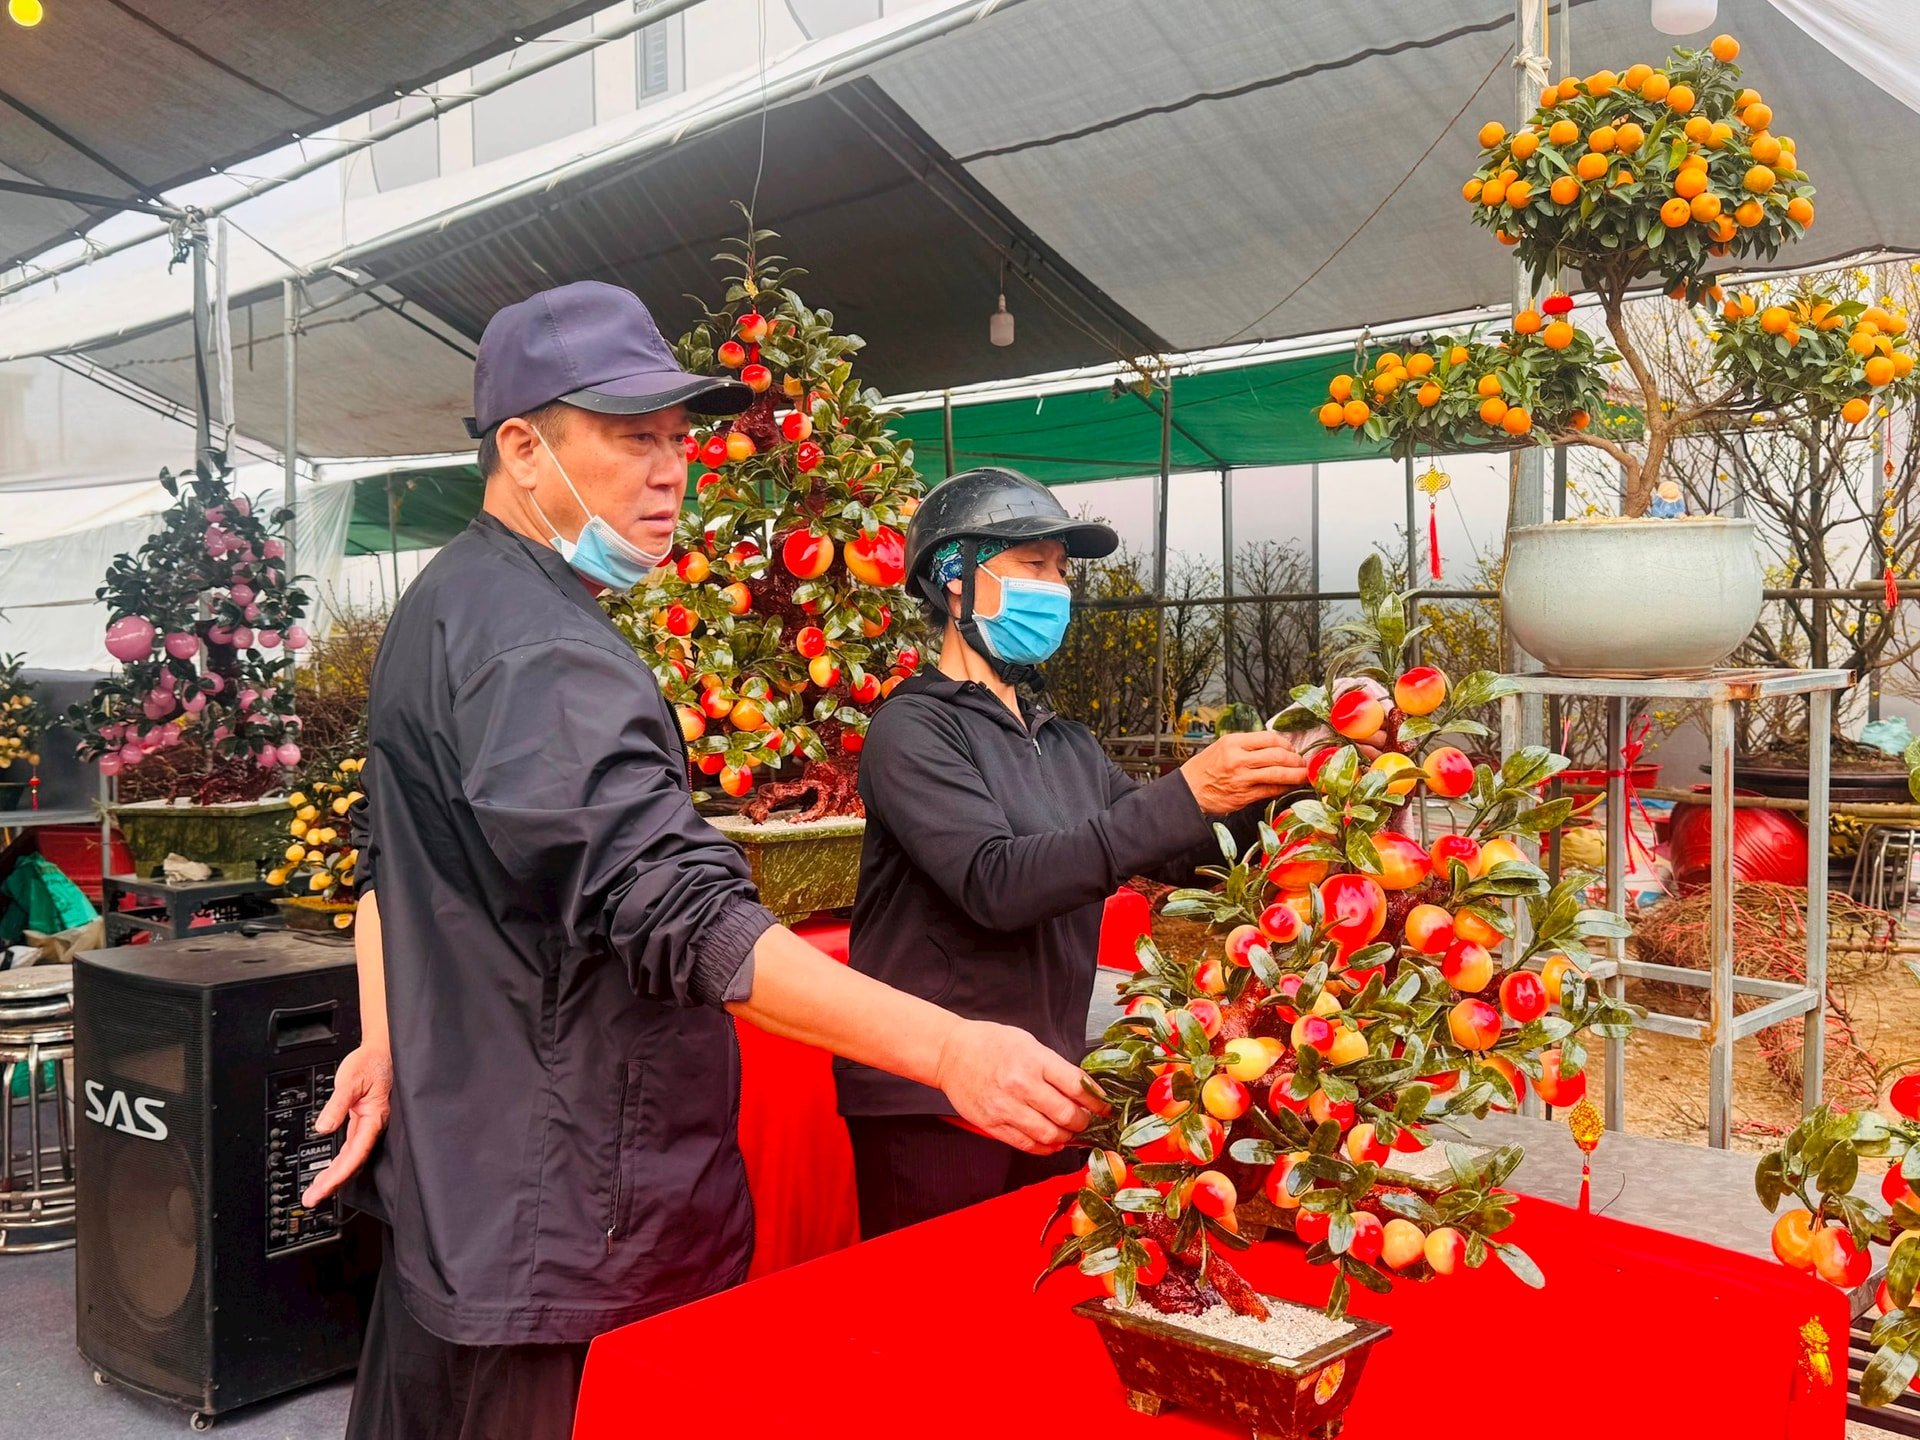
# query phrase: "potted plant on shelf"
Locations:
[[317, 864], [782, 621], [205, 619], [22, 723], [1363, 994]]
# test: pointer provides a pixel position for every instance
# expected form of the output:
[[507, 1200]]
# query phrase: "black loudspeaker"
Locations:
[[199, 1067]]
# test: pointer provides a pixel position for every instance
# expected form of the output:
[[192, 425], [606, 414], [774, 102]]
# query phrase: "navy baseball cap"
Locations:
[[592, 345]]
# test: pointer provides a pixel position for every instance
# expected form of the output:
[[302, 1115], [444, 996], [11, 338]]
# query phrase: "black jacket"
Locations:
[[560, 929], [990, 847]]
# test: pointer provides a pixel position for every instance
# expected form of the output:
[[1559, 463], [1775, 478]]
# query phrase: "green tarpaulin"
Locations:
[[1255, 415]]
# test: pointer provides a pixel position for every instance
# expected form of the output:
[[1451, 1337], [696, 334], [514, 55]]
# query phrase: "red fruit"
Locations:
[[1362, 1146], [1905, 1096], [1792, 1238], [1837, 1260], [1240, 942], [1449, 772], [732, 354], [716, 702], [1403, 864], [1225, 1098], [1429, 928], [1369, 1235], [1421, 691], [1402, 1245], [713, 454], [874, 629], [736, 782], [794, 426], [1210, 977], [1523, 996], [711, 764], [1474, 1025], [1291, 874], [907, 661], [824, 671], [806, 555], [1513, 1075], [695, 567], [1310, 1226], [1467, 967], [1556, 1089], [811, 641], [1446, 1250], [1212, 1193], [1356, 715], [1895, 1190], [748, 716], [742, 552], [852, 742], [680, 620], [738, 597], [757, 378], [808, 456], [1356, 910], [751, 327], [866, 689], [1210, 1144], [1274, 1187], [1163, 1102], [1153, 1269], [1208, 1014], [692, 447], [1407, 1142], [1449, 848], [878, 559], [1312, 1032], [692, 723], [1279, 925], [1322, 1109], [1278, 1094]]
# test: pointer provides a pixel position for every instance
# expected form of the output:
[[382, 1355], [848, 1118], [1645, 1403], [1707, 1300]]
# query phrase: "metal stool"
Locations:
[[1883, 870], [36, 1184]]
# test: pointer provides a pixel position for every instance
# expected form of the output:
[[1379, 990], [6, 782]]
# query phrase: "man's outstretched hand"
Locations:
[[362, 1096], [1008, 1085]]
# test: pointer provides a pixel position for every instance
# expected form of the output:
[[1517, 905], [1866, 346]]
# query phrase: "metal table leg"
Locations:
[[1617, 822], [1720, 935], [1813, 1053], [1510, 720]]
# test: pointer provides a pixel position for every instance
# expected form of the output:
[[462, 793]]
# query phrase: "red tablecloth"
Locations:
[[936, 1332], [799, 1163]]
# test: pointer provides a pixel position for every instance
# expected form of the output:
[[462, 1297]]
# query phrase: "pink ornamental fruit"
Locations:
[[131, 754], [110, 763], [130, 638], [243, 638], [242, 594], [268, 757], [289, 754], [274, 550], [253, 614], [269, 639], [296, 637], [194, 704], [221, 732], [220, 634], [215, 682], [182, 644], [242, 506], [218, 541]]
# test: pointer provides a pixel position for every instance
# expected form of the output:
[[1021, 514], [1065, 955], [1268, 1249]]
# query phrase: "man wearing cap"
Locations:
[[996, 828], [551, 937]]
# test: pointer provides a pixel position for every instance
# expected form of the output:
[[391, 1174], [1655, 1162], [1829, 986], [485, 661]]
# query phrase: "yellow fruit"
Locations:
[[1491, 134], [1800, 210], [320, 881], [1387, 381], [1675, 213], [1568, 88], [295, 854], [279, 877], [1471, 191], [297, 829], [1563, 132], [297, 799], [1759, 180], [1750, 214], [1525, 142], [340, 806], [1357, 413], [1488, 385], [1341, 388], [1493, 192], [1756, 116], [1457, 355], [1766, 149], [1699, 130], [1720, 134], [1636, 76]]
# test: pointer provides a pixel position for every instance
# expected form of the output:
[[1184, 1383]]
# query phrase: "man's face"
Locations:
[[1035, 560], [629, 469]]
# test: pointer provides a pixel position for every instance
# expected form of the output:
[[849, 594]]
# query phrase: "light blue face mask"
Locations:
[[600, 553], [1032, 621]]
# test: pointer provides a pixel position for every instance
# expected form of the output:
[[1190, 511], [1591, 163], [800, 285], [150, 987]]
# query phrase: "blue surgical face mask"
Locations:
[[1032, 620], [600, 552]]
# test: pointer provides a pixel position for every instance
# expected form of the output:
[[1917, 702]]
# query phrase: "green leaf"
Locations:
[[1521, 1264], [1887, 1377], [1251, 1151]]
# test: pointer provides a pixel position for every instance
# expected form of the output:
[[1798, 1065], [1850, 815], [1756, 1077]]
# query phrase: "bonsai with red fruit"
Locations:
[[782, 622], [1359, 999]]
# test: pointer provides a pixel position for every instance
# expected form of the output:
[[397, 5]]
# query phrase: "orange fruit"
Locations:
[[1879, 371], [1759, 179], [1590, 167], [1457, 355], [1601, 140], [1516, 421], [1721, 133], [1757, 116], [1855, 410], [1706, 208], [1636, 76], [1622, 177], [1766, 149], [1471, 190], [1750, 213], [1525, 142], [1493, 192], [1580, 419], [1566, 189], [1518, 193], [1724, 229], [1793, 1239], [1488, 385], [1389, 360], [1493, 410], [1332, 416], [1506, 239], [1602, 83], [1800, 209], [1563, 132], [1549, 97], [1491, 134], [1725, 48], [1341, 388], [1419, 363], [1861, 343], [1793, 334], [1387, 381], [1689, 183], [1655, 87], [1557, 336], [1680, 100], [1628, 138], [1747, 97], [1527, 322], [1823, 316], [1699, 130], [1902, 364], [1675, 213], [1509, 175], [1731, 311], [1748, 305], [1569, 87], [1357, 412], [1775, 319], [1429, 395]]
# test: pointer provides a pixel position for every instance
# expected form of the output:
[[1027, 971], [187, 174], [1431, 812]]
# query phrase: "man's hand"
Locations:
[[1008, 1085], [1239, 770], [362, 1094]]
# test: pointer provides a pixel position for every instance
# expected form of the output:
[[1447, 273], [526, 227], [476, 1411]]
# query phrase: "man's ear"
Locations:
[[953, 597], [518, 444]]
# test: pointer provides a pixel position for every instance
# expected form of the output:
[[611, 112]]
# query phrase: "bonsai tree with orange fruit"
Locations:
[[1361, 994], [781, 622]]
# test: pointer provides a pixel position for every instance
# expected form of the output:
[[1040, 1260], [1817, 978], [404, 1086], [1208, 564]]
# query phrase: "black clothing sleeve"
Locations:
[[1243, 825], [577, 791]]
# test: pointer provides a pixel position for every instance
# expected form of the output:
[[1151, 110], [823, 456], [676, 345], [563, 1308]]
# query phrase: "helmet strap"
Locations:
[[969, 628]]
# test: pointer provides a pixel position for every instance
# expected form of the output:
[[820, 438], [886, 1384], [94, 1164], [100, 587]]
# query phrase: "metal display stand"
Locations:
[[167, 911], [1782, 1000]]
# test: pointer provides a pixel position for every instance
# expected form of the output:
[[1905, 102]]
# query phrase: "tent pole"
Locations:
[[1413, 560], [1313, 554], [290, 345], [202, 403], [1532, 65], [946, 426], [1226, 576], [1559, 486], [393, 536], [1163, 486]]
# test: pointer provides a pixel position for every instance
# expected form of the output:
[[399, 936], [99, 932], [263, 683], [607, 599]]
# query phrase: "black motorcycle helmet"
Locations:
[[990, 504]]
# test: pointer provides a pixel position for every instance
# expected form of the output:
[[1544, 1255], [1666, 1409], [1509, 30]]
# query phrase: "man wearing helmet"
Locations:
[[996, 828]]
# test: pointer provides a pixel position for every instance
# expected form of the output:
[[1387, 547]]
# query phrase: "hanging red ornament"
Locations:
[[1431, 484]]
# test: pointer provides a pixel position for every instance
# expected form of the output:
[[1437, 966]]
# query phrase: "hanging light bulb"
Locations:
[[26, 13], [1683, 17], [1000, 324]]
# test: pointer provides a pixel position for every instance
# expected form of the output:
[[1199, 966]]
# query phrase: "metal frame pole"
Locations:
[[1164, 484], [1531, 64], [202, 402], [1617, 823], [946, 428], [1226, 577], [1813, 1053], [393, 536], [1720, 935], [290, 347]]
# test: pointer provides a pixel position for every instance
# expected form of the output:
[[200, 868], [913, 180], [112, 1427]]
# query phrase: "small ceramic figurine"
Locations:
[[1667, 503]]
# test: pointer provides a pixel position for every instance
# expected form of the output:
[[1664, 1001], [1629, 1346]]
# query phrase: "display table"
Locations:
[[799, 1160], [936, 1332]]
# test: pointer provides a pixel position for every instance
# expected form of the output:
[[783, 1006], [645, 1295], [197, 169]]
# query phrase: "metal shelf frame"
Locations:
[[1721, 691]]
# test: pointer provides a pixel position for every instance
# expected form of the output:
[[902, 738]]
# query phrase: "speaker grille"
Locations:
[[142, 1304]]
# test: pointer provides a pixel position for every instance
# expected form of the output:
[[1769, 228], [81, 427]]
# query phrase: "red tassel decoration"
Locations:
[[1893, 588], [1433, 541]]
